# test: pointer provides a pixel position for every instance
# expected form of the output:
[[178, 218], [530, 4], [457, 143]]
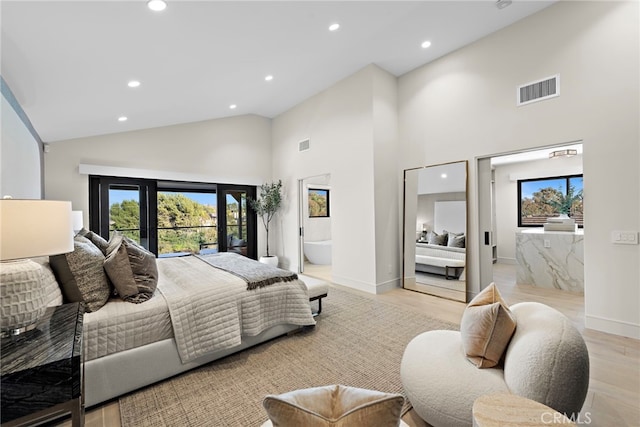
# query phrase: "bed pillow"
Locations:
[[81, 275], [456, 240], [334, 405], [486, 327], [438, 239], [96, 239], [131, 268]]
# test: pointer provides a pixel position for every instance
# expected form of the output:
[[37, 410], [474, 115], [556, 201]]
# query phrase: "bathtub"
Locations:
[[318, 252]]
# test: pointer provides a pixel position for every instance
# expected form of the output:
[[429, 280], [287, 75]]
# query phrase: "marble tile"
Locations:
[[559, 266]]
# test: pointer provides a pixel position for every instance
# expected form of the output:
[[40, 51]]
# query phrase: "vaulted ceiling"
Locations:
[[69, 63]]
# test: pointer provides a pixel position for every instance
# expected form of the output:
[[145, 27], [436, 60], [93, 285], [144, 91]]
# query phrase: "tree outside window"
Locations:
[[540, 199]]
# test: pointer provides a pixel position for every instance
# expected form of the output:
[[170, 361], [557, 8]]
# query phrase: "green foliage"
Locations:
[[175, 211], [550, 201], [317, 204], [268, 203]]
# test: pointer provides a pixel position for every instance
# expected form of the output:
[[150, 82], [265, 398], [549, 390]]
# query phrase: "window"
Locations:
[[541, 198], [174, 218], [318, 203]]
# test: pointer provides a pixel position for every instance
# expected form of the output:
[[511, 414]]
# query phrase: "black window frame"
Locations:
[[567, 179], [328, 215], [99, 209]]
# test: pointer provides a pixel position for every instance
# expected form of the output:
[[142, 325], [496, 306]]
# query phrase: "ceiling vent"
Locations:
[[304, 145], [539, 90]]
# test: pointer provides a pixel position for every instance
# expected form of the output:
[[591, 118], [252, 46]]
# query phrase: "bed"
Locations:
[[198, 313], [437, 259]]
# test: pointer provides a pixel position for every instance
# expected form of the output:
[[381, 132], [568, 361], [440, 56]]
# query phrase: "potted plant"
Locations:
[[266, 206]]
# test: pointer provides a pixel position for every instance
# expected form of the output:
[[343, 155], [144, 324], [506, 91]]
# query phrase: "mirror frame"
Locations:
[[465, 298]]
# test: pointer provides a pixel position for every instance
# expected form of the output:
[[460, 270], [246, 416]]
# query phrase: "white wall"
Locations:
[[426, 208], [463, 106], [20, 175], [339, 124], [506, 196], [233, 150]]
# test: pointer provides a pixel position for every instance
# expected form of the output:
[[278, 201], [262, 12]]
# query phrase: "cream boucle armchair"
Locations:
[[546, 361]]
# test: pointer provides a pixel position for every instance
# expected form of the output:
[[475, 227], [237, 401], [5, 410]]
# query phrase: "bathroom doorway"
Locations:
[[314, 222], [510, 253]]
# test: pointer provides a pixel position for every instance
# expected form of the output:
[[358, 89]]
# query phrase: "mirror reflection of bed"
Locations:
[[435, 224]]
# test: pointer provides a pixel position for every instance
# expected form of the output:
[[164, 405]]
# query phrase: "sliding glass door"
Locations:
[[122, 204], [173, 218]]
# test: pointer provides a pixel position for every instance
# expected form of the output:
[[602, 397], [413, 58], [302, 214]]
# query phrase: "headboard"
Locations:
[[450, 216]]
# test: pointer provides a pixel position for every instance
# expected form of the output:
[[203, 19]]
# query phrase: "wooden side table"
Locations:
[[504, 409], [42, 370]]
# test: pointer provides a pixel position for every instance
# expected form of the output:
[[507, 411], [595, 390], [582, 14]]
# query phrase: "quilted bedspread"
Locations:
[[211, 309]]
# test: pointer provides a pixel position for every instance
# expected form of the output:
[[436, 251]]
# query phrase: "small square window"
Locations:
[[318, 203]]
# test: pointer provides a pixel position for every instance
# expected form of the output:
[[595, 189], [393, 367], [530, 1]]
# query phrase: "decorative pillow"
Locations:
[[96, 239], [456, 240], [438, 239], [81, 276], [334, 405], [486, 327], [131, 268]]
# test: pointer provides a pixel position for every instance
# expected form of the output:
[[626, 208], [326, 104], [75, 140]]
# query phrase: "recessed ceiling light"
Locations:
[[444, 175], [269, 78], [334, 27], [425, 44], [501, 4], [233, 106], [157, 5], [133, 83], [122, 118]]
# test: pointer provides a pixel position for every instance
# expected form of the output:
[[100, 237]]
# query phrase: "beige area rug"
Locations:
[[358, 341]]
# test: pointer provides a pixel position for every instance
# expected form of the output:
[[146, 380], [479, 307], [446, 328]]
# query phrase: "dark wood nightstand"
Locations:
[[42, 370]]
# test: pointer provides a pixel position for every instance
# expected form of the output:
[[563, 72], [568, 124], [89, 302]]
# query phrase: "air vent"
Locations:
[[539, 90], [304, 145]]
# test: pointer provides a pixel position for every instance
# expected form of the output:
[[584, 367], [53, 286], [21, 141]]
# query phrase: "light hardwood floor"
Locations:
[[614, 388]]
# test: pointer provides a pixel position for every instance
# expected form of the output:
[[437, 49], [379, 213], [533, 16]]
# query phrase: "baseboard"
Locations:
[[355, 284], [388, 286], [612, 326], [510, 261]]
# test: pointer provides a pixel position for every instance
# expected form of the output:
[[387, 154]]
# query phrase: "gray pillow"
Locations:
[[437, 239], [456, 240], [96, 239], [131, 268], [81, 275]]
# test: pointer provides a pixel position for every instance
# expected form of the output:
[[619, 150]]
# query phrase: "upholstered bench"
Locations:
[[318, 289]]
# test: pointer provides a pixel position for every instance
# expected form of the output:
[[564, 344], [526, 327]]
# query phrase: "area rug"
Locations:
[[358, 341]]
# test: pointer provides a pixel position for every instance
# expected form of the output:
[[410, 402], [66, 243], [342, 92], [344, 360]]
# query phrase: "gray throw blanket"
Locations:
[[256, 274]]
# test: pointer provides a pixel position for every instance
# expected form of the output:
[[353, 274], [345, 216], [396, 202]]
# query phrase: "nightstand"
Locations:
[[42, 376]]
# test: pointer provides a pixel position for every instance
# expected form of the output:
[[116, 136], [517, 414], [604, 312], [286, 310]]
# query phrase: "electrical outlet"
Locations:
[[547, 243], [624, 237]]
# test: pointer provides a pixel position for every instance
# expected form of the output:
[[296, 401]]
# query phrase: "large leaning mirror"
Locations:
[[435, 230]]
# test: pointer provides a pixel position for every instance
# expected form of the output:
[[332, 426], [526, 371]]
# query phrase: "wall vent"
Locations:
[[539, 90], [304, 145]]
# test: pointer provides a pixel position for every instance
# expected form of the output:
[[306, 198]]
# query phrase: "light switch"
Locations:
[[624, 237]]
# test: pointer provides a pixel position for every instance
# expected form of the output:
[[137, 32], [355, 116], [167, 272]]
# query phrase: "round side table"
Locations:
[[504, 409]]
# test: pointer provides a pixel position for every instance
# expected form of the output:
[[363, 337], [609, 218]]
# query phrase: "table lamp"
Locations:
[[28, 228]]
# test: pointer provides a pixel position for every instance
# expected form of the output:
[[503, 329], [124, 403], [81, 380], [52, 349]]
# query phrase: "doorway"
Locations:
[[314, 223], [510, 229]]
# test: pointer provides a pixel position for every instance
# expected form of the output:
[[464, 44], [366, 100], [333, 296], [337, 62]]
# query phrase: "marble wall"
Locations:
[[550, 259]]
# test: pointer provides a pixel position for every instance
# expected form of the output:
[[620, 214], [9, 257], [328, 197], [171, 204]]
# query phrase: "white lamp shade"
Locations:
[[31, 228], [77, 221]]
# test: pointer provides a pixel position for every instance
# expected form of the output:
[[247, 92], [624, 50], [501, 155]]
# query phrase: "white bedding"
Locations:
[[121, 325], [204, 308]]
